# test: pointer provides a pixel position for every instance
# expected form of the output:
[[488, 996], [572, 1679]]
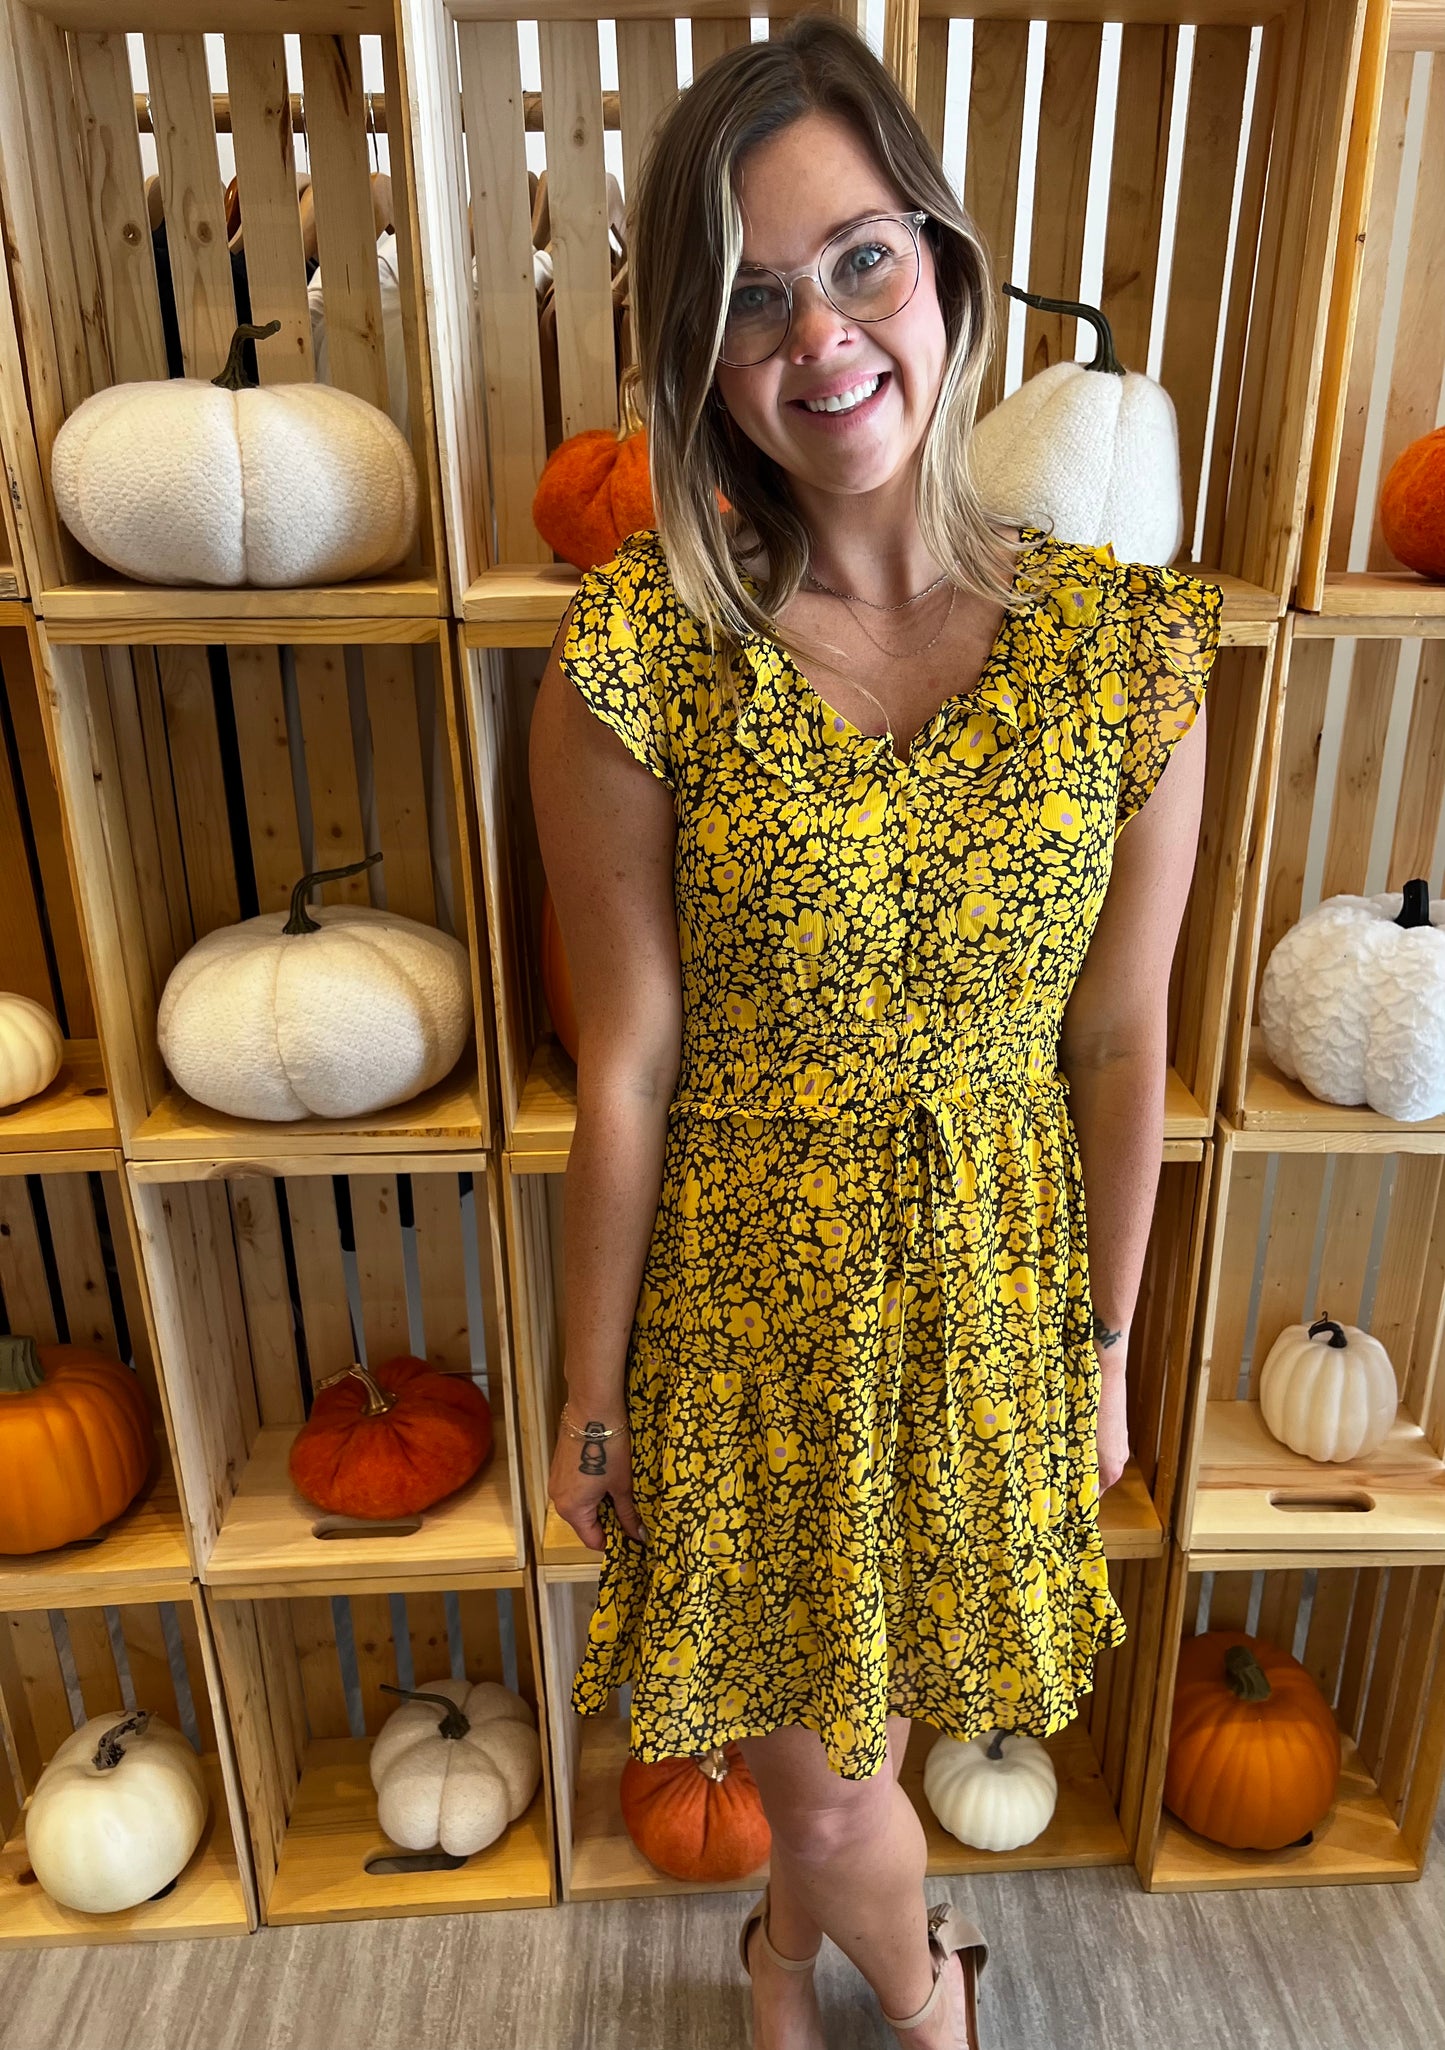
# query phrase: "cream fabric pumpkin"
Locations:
[[1090, 449], [178, 481], [454, 1765], [31, 1049], [333, 1013], [1352, 1002], [1328, 1392], [116, 1814], [994, 1792]]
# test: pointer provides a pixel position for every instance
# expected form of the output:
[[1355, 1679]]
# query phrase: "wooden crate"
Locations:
[[1368, 1627], [1385, 353], [1351, 800], [61, 1663], [265, 1286], [1355, 1232], [200, 782], [1259, 304], [83, 268], [303, 1679]]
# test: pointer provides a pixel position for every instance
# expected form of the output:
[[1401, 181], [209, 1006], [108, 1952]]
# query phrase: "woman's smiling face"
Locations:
[[795, 191]]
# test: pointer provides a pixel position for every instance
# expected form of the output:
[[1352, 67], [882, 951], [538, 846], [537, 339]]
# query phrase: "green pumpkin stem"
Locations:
[[110, 1751], [453, 1724], [1416, 908], [994, 1747], [20, 1369], [300, 919], [233, 377], [1104, 356], [1245, 1675]]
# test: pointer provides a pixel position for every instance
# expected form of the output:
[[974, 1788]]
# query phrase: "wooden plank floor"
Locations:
[[1081, 1961]]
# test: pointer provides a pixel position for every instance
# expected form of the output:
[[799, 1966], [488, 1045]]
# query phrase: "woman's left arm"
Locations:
[[1114, 1049]]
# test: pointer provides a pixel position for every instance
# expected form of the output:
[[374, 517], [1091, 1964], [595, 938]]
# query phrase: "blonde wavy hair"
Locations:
[[685, 245]]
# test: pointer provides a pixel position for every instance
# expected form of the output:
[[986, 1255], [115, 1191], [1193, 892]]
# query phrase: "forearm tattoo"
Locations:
[[1102, 1333], [594, 1452]]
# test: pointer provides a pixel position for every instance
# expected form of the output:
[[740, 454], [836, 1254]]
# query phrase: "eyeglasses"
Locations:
[[869, 272]]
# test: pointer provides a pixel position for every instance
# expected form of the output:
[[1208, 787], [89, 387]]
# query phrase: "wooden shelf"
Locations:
[[1378, 602], [200, 1144], [1394, 1500], [541, 1135], [72, 1117], [266, 1547], [143, 1557], [111, 610], [333, 1830], [207, 1900], [1358, 1841], [1282, 1116], [1083, 1829]]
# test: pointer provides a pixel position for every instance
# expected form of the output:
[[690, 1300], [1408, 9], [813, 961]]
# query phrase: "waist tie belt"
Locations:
[[925, 1129]]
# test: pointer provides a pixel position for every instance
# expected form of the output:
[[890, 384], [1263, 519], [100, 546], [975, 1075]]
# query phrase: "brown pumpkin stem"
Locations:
[[1245, 1675], [379, 1400], [110, 1751], [713, 1765], [232, 377], [994, 1748], [1336, 1331], [1104, 356], [453, 1724], [20, 1369], [300, 920]]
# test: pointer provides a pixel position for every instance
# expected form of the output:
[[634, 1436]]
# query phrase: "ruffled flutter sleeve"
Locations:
[[619, 679], [1176, 621]]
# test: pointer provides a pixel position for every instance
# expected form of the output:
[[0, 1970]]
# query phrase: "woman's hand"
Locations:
[[1113, 1419], [584, 1470]]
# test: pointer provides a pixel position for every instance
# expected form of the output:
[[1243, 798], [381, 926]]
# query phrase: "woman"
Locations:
[[829, 785]]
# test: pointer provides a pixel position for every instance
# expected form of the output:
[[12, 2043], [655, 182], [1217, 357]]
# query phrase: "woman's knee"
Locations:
[[814, 1813]]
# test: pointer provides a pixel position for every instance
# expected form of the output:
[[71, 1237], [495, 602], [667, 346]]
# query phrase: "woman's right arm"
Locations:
[[606, 829]]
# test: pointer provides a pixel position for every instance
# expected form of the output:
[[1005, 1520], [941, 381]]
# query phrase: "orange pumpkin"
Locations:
[[75, 1442], [594, 491], [557, 978], [390, 1443], [1254, 1750], [1412, 505], [697, 1818]]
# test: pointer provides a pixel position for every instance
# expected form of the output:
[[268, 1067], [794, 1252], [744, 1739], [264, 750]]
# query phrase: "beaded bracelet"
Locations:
[[593, 1431]]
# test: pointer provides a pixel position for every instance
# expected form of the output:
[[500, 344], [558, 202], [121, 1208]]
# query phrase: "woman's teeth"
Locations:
[[845, 401]]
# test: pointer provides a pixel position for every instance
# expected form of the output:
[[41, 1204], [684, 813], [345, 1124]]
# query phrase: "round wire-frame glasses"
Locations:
[[913, 220]]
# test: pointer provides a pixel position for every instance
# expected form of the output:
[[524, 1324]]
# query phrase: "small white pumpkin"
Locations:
[[455, 1779], [331, 1014], [31, 1049], [994, 1792], [116, 1814], [1088, 449], [180, 481], [1352, 1002], [1328, 1392]]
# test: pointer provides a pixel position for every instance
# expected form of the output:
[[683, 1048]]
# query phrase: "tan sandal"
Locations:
[[758, 1918], [950, 1931]]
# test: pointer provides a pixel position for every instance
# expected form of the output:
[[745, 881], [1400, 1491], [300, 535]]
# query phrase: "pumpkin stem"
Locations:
[[1336, 1331], [232, 377], [713, 1765], [453, 1724], [20, 1368], [1104, 356], [994, 1748], [300, 920], [1245, 1675], [1416, 908], [379, 1400], [110, 1751]]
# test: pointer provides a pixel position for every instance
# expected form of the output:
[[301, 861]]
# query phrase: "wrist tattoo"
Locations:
[[1103, 1334], [594, 1453]]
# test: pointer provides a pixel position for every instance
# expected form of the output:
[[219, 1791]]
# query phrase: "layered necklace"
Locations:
[[894, 654]]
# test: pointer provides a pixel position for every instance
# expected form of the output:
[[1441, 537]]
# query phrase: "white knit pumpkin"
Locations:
[[994, 1792], [31, 1048], [1352, 1002], [180, 481], [1088, 449], [333, 1013], [454, 1772], [1329, 1391], [116, 1814]]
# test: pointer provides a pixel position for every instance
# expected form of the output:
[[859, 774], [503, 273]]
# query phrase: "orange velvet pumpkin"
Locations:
[[697, 1818], [1412, 505], [557, 978], [593, 492], [75, 1442], [1254, 1750], [392, 1442]]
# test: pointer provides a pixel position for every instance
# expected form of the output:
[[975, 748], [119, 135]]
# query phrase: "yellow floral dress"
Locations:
[[862, 1386]]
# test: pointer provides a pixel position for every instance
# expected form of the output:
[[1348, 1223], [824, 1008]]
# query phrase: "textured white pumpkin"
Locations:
[[332, 1013], [994, 1792], [1352, 1002], [177, 481], [116, 1814], [1329, 1391], [1090, 449], [31, 1048], [457, 1790]]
